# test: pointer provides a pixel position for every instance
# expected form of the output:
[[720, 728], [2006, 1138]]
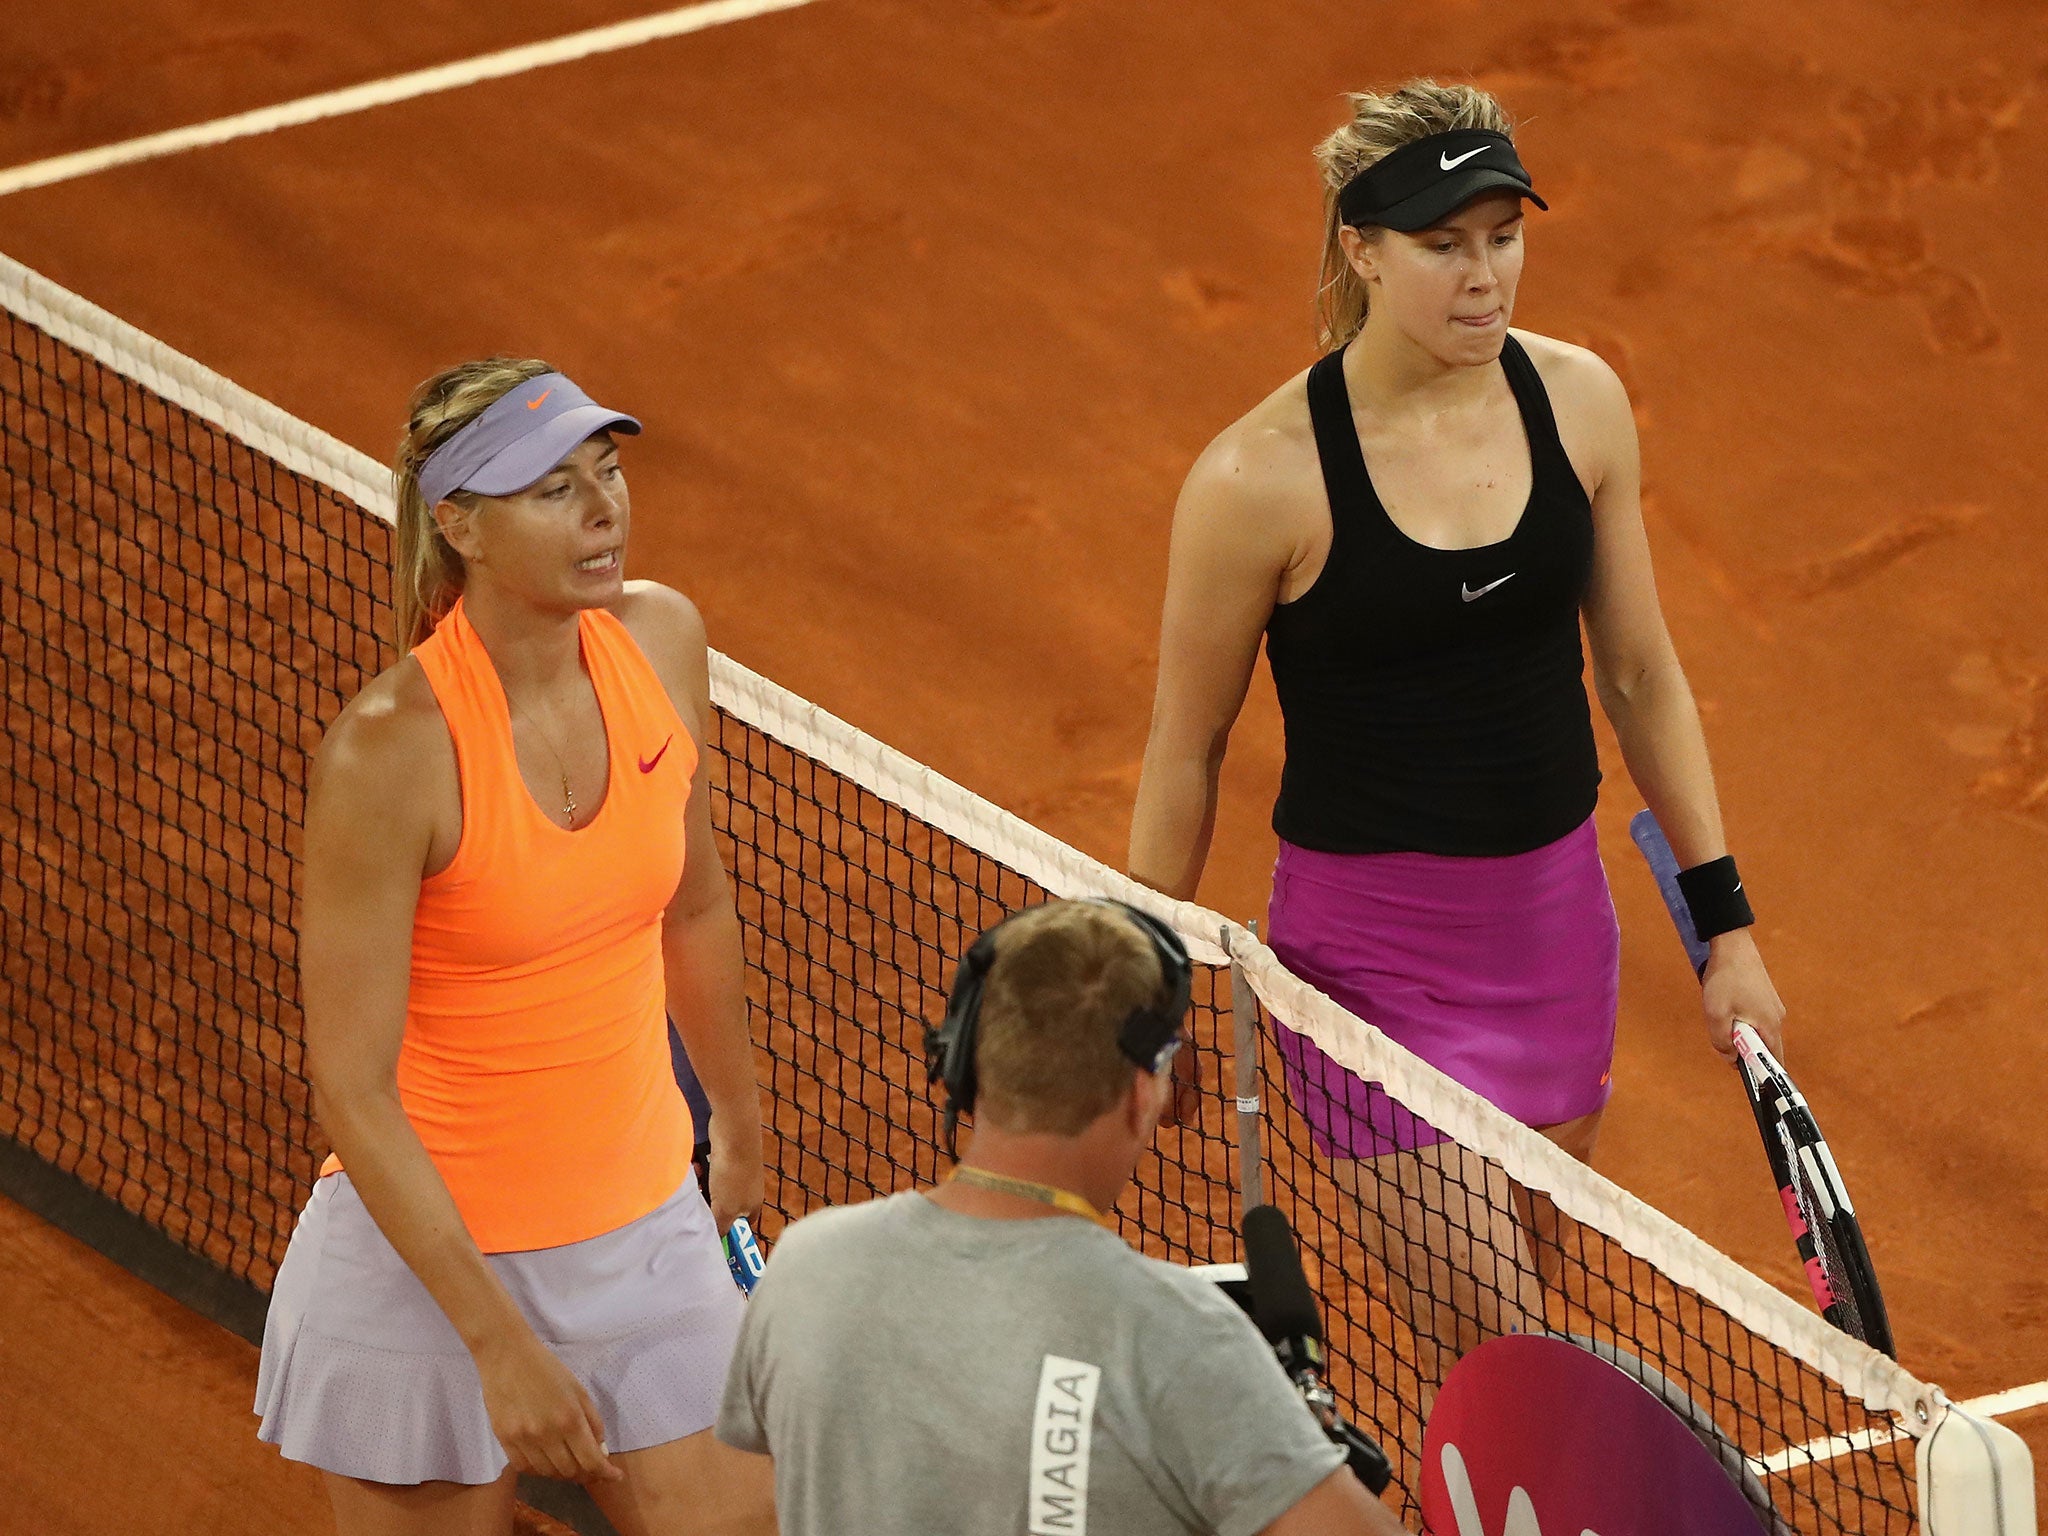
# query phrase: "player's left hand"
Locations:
[[738, 1184], [1736, 986]]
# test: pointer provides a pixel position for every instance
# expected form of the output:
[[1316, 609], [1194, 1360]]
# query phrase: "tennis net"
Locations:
[[195, 582]]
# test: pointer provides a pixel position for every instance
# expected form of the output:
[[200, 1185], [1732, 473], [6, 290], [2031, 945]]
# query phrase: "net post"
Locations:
[[1244, 1018], [1975, 1476]]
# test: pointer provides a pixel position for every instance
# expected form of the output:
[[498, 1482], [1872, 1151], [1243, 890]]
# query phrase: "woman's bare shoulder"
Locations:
[[660, 615], [666, 626], [1579, 374], [670, 633], [388, 734], [1595, 421], [1266, 455]]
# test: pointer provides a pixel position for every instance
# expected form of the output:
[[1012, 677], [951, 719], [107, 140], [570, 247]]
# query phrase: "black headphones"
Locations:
[[1146, 1039]]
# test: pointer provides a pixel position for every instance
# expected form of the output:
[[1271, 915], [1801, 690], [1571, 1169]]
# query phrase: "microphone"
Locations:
[[1285, 1310], [1282, 1304]]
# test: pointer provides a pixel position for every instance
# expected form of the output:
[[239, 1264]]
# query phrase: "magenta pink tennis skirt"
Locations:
[[363, 1374], [1502, 972]]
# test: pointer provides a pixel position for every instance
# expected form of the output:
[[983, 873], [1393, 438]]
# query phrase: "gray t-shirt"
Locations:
[[913, 1370]]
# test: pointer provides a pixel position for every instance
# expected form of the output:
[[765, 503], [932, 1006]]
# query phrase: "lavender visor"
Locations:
[[519, 437]]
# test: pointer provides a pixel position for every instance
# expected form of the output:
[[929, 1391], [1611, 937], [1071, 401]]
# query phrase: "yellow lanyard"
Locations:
[[1024, 1189]]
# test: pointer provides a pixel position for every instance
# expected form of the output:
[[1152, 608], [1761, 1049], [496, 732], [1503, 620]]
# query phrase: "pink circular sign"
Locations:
[[1535, 1436]]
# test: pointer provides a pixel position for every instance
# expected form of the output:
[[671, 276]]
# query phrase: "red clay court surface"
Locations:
[[930, 306]]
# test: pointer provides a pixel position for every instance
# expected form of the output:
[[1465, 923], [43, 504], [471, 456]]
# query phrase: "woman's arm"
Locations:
[[367, 848], [1234, 538], [1644, 692], [700, 941]]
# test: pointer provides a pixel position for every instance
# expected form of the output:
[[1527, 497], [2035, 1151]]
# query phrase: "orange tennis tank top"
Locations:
[[535, 1063]]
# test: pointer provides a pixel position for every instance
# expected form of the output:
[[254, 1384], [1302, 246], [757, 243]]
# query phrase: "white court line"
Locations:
[[378, 93], [1827, 1448], [1998, 1404], [2011, 1400]]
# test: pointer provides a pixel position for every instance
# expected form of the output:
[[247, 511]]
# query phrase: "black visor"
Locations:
[[1427, 181]]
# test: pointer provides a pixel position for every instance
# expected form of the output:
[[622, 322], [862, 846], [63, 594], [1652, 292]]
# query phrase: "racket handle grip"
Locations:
[[1656, 852], [743, 1255]]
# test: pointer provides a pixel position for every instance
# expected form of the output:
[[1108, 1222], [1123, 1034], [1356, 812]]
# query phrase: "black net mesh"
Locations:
[[180, 616], [853, 912]]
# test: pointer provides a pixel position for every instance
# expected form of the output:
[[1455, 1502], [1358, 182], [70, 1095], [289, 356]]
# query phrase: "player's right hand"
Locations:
[[540, 1412]]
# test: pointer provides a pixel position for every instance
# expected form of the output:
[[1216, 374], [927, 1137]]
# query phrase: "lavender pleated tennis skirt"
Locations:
[[363, 1374], [1502, 972]]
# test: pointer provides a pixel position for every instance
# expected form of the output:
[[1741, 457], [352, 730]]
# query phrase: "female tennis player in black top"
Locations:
[[1417, 527]]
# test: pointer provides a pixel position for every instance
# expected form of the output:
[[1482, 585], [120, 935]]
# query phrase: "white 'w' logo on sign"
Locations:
[[1521, 1520]]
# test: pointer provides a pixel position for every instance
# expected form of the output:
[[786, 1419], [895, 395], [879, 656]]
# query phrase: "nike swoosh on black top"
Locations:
[[1469, 595]]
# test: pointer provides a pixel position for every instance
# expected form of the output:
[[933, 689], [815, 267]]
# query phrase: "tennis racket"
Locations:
[[1817, 1207]]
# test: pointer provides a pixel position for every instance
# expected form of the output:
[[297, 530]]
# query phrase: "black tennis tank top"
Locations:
[[1434, 699]]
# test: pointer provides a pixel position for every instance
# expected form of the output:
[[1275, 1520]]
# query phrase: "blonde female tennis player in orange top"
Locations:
[[510, 883]]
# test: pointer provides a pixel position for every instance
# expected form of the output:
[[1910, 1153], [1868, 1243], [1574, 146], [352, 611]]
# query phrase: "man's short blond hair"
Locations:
[[1065, 978]]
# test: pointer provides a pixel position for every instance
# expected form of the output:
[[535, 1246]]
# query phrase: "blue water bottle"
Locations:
[[743, 1255]]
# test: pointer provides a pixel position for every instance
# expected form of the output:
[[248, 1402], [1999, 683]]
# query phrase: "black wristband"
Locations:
[[1713, 895]]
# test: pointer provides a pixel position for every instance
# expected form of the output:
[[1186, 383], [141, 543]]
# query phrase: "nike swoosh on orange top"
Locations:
[[647, 763]]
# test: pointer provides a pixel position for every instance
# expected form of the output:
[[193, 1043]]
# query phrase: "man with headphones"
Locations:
[[989, 1356]]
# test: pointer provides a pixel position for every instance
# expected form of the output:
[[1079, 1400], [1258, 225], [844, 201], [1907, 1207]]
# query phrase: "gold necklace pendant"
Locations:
[[561, 766]]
